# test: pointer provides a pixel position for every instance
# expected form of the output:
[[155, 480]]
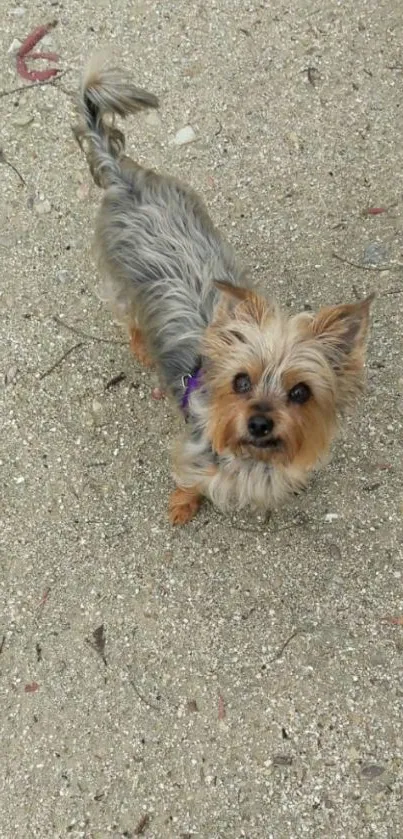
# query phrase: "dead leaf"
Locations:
[[98, 644], [99, 639], [221, 708], [142, 825], [282, 760], [31, 688], [374, 211]]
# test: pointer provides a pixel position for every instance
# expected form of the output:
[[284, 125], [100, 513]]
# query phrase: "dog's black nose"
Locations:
[[259, 426]]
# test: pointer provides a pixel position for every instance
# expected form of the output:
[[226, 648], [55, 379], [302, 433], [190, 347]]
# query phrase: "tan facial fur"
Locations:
[[325, 352]]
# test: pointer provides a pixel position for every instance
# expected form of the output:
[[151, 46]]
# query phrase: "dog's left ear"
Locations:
[[243, 303], [344, 329]]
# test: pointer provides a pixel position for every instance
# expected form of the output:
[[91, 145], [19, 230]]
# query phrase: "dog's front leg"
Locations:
[[184, 503], [193, 470]]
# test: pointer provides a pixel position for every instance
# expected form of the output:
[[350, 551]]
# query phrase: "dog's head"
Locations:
[[278, 384]]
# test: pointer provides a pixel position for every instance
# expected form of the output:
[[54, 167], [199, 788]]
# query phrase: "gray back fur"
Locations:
[[158, 248]]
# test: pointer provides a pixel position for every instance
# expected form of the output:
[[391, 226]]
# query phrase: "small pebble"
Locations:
[[10, 375], [375, 254], [63, 277], [97, 414], [48, 42], [293, 141], [184, 135], [83, 192], [282, 760], [42, 208], [14, 46], [372, 771], [329, 517], [335, 552], [96, 407], [153, 119], [19, 11], [157, 394], [21, 120]]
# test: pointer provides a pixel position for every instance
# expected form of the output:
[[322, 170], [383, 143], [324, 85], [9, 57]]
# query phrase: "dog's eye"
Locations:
[[299, 394], [238, 336], [242, 383]]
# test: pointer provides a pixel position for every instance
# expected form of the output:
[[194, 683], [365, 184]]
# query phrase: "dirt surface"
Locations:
[[244, 682]]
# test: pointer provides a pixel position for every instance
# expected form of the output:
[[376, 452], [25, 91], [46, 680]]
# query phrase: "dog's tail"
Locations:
[[105, 93]]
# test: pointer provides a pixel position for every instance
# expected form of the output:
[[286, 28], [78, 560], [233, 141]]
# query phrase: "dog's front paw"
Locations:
[[183, 505]]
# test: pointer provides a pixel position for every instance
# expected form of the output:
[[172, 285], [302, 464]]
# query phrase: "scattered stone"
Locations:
[[22, 119], [335, 552], [157, 393], [14, 46], [282, 760], [371, 771], [63, 277], [293, 141], [153, 119], [83, 192], [42, 207], [327, 802], [97, 412], [329, 517], [46, 99], [313, 75], [375, 254], [192, 706], [185, 135], [193, 70], [48, 42], [19, 11], [10, 375]]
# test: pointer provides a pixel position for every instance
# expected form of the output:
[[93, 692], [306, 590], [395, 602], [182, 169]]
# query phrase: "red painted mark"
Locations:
[[375, 211], [221, 708], [31, 688], [396, 621], [25, 52]]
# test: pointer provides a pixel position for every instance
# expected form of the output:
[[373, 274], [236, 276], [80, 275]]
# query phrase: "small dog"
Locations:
[[261, 391]]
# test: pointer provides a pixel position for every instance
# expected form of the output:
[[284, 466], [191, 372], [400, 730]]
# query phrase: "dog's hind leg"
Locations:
[[139, 348]]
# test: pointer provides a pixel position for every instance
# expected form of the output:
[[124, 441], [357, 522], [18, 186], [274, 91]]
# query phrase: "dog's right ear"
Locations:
[[343, 329]]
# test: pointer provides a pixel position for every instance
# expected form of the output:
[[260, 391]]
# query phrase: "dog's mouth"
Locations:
[[274, 443]]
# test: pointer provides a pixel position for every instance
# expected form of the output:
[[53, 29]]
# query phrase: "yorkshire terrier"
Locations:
[[261, 391]]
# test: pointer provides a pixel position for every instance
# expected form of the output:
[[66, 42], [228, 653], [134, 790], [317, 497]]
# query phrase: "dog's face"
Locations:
[[278, 384]]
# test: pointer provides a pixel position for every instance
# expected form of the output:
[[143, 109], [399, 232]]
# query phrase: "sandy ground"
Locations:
[[248, 685]]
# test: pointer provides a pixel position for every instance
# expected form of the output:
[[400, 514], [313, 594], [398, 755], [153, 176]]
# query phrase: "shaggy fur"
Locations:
[[176, 285]]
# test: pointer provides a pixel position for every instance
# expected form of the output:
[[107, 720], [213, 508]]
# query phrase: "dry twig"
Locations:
[[59, 360]]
